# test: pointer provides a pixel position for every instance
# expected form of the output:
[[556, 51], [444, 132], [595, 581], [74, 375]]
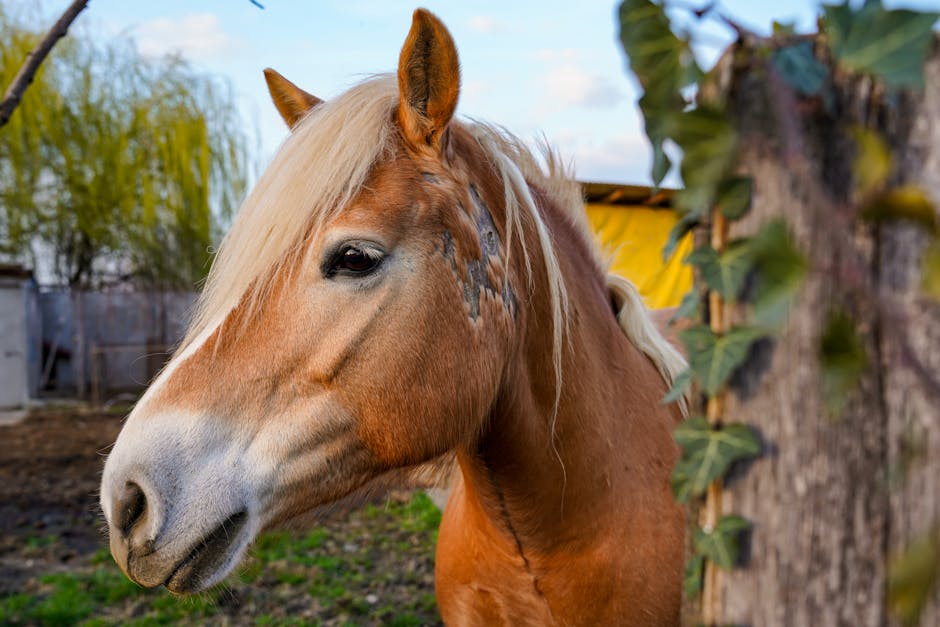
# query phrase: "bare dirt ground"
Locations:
[[50, 466], [370, 566]]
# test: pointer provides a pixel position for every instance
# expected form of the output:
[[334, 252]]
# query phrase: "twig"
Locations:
[[711, 10], [35, 58], [697, 11]]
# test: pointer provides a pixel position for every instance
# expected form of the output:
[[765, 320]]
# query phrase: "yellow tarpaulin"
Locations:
[[636, 236]]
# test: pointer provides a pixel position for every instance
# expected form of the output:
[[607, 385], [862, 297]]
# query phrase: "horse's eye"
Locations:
[[355, 261]]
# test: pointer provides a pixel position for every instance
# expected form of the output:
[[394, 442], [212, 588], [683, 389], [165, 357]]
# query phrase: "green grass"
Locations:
[[69, 599], [35, 543], [345, 570]]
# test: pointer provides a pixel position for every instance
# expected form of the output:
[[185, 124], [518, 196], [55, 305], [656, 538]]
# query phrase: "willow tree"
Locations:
[[115, 165]]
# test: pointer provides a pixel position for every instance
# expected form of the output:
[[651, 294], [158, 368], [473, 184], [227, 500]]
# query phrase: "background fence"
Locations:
[[98, 344]]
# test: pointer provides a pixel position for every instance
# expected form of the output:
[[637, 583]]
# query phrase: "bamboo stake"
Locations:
[[713, 412]]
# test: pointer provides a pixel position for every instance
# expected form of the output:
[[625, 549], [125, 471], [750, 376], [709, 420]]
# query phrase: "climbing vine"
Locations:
[[762, 274]]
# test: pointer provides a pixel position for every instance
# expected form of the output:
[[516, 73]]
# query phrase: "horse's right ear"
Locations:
[[428, 81], [291, 101]]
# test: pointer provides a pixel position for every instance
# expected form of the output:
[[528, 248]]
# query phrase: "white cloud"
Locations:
[[198, 36], [620, 158], [484, 24], [568, 85]]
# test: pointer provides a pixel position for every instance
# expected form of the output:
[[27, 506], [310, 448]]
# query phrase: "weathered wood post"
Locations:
[[838, 493]]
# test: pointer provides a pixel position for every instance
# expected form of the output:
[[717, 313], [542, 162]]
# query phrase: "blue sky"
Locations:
[[551, 67]]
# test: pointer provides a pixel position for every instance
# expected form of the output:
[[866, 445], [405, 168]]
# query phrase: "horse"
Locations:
[[402, 288]]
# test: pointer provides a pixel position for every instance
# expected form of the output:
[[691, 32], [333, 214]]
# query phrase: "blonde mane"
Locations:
[[556, 180], [316, 172], [324, 163]]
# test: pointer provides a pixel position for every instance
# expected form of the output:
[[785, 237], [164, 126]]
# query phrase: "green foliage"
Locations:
[[713, 358], [69, 598], [421, 514], [912, 576], [722, 544], [679, 387], [908, 203], [118, 165], [692, 578], [842, 358], [769, 258], [689, 307], [905, 203], [797, 65], [682, 228], [707, 453], [930, 270], [872, 164], [723, 272], [779, 268], [709, 145], [891, 45], [335, 566], [734, 196], [15, 606], [663, 64], [767, 269]]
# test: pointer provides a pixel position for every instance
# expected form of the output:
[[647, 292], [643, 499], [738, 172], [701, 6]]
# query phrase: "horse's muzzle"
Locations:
[[150, 557]]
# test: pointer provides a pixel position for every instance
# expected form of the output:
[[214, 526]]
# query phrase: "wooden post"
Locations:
[[836, 496]]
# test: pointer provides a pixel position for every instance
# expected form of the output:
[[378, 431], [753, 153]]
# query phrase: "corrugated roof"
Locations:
[[617, 194]]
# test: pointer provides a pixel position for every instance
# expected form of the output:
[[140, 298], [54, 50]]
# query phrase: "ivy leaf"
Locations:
[[734, 196], [725, 272], [798, 67], [713, 358], [721, 545], [892, 45], [912, 577], [843, 360], [685, 225], [709, 145], [930, 270], [907, 202], [707, 453], [692, 579], [688, 308], [663, 64], [679, 387], [872, 163], [780, 269], [659, 124]]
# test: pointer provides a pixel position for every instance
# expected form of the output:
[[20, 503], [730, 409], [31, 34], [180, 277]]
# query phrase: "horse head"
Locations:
[[357, 320], [399, 287]]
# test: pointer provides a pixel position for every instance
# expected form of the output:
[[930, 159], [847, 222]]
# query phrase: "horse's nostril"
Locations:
[[131, 507]]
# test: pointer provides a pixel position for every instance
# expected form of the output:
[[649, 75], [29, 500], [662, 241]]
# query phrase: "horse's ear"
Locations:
[[428, 80], [291, 101]]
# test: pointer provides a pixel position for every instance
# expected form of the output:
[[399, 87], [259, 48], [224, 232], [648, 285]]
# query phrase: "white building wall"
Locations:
[[14, 387]]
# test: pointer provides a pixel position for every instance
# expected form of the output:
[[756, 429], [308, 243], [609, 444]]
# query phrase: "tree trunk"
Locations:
[[836, 496]]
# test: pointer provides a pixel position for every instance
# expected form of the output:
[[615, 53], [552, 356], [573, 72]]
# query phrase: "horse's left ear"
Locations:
[[428, 81], [291, 101]]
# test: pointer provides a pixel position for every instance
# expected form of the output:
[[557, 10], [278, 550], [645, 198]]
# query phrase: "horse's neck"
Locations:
[[560, 478]]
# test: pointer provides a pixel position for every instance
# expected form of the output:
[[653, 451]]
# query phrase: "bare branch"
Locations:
[[35, 58]]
